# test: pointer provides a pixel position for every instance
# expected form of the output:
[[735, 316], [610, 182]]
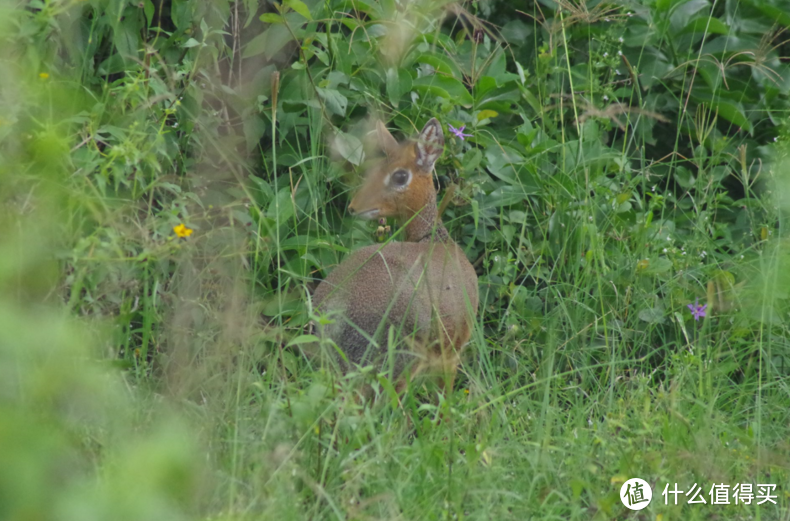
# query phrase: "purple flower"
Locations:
[[459, 132], [697, 310]]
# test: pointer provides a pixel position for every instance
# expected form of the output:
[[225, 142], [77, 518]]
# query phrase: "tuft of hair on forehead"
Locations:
[[430, 145]]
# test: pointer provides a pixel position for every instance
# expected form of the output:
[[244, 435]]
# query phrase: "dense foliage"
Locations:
[[174, 175]]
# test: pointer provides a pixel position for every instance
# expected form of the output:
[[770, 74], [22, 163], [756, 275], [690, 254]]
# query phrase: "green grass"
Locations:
[[148, 376]]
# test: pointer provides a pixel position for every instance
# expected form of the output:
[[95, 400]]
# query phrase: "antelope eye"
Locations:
[[399, 178]]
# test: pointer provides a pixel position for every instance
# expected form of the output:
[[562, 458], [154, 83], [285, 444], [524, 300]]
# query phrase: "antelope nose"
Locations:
[[351, 208]]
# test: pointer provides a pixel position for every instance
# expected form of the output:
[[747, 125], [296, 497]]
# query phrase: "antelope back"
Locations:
[[426, 291]]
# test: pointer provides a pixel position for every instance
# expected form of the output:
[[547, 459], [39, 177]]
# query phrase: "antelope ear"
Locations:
[[429, 145], [387, 143]]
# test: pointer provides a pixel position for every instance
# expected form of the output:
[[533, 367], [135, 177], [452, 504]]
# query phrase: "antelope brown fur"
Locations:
[[424, 288]]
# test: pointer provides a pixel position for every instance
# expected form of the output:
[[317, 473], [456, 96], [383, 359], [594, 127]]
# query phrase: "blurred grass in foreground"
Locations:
[[75, 441]]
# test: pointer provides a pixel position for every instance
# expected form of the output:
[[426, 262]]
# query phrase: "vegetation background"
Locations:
[[173, 182]]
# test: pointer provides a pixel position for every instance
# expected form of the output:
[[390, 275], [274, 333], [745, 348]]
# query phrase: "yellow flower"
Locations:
[[183, 231], [43, 75]]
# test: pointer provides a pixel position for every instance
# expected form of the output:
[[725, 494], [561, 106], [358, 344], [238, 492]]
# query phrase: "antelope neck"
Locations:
[[426, 226]]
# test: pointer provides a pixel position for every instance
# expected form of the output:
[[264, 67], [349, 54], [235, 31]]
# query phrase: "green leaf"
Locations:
[[731, 111], [684, 178], [441, 64], [706, 26], [734, 113], [349, 147], [503, 162], [386, 384], [191, 43], [652, 315], [497, 67], [127, 38], [270, 41], [504, 196], [730, 45], [149, 10], [398, 83], [180, 13], [500, 98], [654, 66], [685, 10], [484, 85], [303, 339], [472, 159], [522, 77], [780, 15], [657, 266], [445, 87], [271, 18], [335, 102], [254, 128], [299, 7], [486, 114], [516, 32]]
